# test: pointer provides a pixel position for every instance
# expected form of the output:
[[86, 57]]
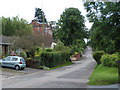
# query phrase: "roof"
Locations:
[[5, 40]]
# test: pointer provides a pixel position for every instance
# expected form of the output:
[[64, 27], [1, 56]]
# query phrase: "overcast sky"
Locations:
[[52, 8]]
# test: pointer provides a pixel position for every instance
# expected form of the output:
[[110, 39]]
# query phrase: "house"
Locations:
[[44, 30], [5, 43]]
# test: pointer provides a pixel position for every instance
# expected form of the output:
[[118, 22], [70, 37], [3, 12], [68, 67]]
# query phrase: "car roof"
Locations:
[[14, 56]]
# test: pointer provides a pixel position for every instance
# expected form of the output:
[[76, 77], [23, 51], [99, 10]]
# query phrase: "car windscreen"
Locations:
[[7, 59]]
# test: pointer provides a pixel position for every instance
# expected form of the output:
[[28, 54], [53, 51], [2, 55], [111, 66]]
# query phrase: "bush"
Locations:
[[97, 56], [78, 46], [60, 46], [49, 50], [52, 59], [38, 52], [35, 52], [110, 60], [23, 54]]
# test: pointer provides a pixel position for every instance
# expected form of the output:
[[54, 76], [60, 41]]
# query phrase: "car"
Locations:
[[14, 62]]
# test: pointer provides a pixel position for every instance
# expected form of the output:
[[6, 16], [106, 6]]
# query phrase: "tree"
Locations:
[[27, 42], [32, 40], [105, 31], [71, 26], [15, 26], [39, 15]]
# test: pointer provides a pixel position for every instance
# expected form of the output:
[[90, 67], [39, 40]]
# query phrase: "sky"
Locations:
[[52, 8]]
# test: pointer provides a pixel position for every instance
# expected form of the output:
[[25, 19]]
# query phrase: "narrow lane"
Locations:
[[72, 76]]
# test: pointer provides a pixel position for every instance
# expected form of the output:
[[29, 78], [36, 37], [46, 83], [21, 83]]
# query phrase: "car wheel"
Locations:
[[3, 66], [17, 67], [22, 68]]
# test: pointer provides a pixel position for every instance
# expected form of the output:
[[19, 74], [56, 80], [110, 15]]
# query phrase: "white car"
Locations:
[[14, 62]]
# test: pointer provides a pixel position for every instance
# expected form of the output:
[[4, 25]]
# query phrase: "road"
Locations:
[[72, 76]]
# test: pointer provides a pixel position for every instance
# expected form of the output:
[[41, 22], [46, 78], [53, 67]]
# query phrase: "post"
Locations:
[[118, 63]]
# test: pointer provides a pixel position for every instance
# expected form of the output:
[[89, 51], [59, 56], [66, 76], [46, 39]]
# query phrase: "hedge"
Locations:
[[97, 56], [110, 60], [52, 59]]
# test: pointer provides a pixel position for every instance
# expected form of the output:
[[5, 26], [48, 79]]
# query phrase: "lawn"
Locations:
[[103, 75]]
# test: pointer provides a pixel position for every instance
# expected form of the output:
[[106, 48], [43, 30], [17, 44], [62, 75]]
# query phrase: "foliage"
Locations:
[[78, 46], [60, 47], [110, 60], [49, 50], [15, 27], [23, 54], [97, 56], [103, 75], [71, 26], [39, 15], [30, 41], [52, 59], [38, 52], [105, 31]]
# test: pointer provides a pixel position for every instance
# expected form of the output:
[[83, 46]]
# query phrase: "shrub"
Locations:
[[78, 46], [52, 59], [49, 50], [23, 54], [38, 53], [35, 52], [60, 46], [32, 51], [28, 54], [110, 60], [97, 56]]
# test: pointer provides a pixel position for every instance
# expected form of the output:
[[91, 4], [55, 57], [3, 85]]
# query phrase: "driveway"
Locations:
[[8, 73]]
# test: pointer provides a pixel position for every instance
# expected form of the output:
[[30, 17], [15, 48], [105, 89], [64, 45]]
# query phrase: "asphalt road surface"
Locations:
[[72, 76]]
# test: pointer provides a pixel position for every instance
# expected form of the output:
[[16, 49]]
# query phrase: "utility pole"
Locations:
[[43, 44], [43, 33]]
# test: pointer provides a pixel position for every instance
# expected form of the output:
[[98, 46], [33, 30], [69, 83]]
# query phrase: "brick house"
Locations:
[[44, 30]]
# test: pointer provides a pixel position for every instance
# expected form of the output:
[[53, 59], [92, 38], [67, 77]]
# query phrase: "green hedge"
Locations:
[[97, 56], [52, 59], [49, 50], [110, 60]]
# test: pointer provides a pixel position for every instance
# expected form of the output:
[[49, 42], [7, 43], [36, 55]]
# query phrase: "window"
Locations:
[[7, 59], [14, 59], [22, 60]]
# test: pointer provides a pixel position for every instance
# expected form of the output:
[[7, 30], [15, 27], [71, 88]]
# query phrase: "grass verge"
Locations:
[[104, 76], [66, 64]]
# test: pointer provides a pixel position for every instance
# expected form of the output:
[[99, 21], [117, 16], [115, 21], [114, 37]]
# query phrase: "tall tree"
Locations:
[[39, 15], [105, 30], [71, 26], [15, 26]]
